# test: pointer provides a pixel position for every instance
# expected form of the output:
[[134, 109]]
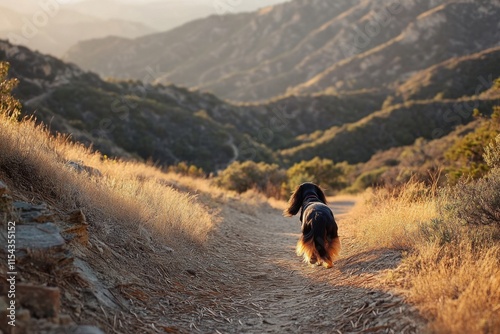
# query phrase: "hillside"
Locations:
[[453, 29], [129, 119], [167, 123], [131, 249], [454, 78], [301, 47], [395, 126]]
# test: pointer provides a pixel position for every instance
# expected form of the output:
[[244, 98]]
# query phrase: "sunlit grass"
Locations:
[[393, 221], [457, 287], [451, 272], [129, 193]]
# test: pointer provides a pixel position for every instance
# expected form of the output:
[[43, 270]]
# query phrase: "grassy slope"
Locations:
[[450, 271], [129, 194]]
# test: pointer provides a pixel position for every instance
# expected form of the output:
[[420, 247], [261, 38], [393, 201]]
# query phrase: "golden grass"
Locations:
[[457, 287], [389, 220], [130, 193], [452, 272]]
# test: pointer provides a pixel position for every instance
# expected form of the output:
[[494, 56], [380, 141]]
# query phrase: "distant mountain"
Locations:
[[62, 28], [396, 126], [166, 15], [450, 30], [159, 14], [302, 47]]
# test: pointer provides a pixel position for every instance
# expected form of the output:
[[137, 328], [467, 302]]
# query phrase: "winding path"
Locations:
[[250, 281]]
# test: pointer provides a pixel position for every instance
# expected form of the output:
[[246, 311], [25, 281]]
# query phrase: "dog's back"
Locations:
[[322, 229], [319, 242]]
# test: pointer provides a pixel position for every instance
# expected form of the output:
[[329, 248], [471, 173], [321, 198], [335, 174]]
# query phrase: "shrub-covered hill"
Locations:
[[170, 124], [454, 78], [167, 123], [394, 126]]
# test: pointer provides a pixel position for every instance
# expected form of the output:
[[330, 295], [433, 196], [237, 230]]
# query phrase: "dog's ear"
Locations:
[[294, 203], [320, 193]]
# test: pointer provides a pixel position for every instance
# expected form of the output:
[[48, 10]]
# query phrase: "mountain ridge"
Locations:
[[302, 47]]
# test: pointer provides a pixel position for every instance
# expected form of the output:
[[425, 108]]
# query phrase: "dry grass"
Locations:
[[457, 287], [452, 273], [391, 219], [129, 193]]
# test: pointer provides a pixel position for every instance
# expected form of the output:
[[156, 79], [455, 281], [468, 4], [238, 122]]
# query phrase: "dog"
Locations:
[[319, 243]]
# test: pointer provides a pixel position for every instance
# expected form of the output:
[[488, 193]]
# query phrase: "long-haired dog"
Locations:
[[319, 242]]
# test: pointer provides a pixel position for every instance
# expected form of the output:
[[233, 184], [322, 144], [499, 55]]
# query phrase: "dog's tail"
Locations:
[[316, 246]]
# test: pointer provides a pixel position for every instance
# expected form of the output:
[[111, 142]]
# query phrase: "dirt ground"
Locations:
[[245, 279], [249, 280]]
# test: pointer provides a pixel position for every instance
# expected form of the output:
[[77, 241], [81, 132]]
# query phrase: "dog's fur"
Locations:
[[319, 242]]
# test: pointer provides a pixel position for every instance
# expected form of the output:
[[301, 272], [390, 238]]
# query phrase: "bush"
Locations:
[[183, 168], [478, 202], [8, 104], [372, 178], [243, 176], [466, 156], [492, 153], [320, 171]]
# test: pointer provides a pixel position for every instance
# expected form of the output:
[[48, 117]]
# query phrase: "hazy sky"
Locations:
[[236, 5], [53, 26]]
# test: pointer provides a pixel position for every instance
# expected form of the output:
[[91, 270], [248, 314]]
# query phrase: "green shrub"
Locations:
[[189, 170], [478, 202], [368, 179], [466, 156], [8, 104], [492, 153], [320, 171], [243, 176]]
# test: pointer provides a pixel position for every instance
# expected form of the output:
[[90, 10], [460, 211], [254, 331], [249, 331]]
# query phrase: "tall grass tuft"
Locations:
[[392, 218]]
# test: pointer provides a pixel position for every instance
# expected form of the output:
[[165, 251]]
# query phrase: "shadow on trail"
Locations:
[[372, 261], [341, 207]]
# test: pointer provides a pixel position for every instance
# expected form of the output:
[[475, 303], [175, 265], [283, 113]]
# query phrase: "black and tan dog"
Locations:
[[319, 242]]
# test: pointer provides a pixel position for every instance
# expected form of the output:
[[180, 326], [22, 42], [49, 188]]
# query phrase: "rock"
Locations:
[[42, 301], [31, 213], [77, 217], [96, 286], [4, 303], [23, 315], [65, 319], [78, 229], [38, 237], [24, 206], [79, 167]]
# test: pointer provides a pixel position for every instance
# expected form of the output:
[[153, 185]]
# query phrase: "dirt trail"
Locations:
[[249, 280], [246, 279]]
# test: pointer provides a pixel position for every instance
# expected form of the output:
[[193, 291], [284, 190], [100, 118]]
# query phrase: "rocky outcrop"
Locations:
[[43, 243]]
